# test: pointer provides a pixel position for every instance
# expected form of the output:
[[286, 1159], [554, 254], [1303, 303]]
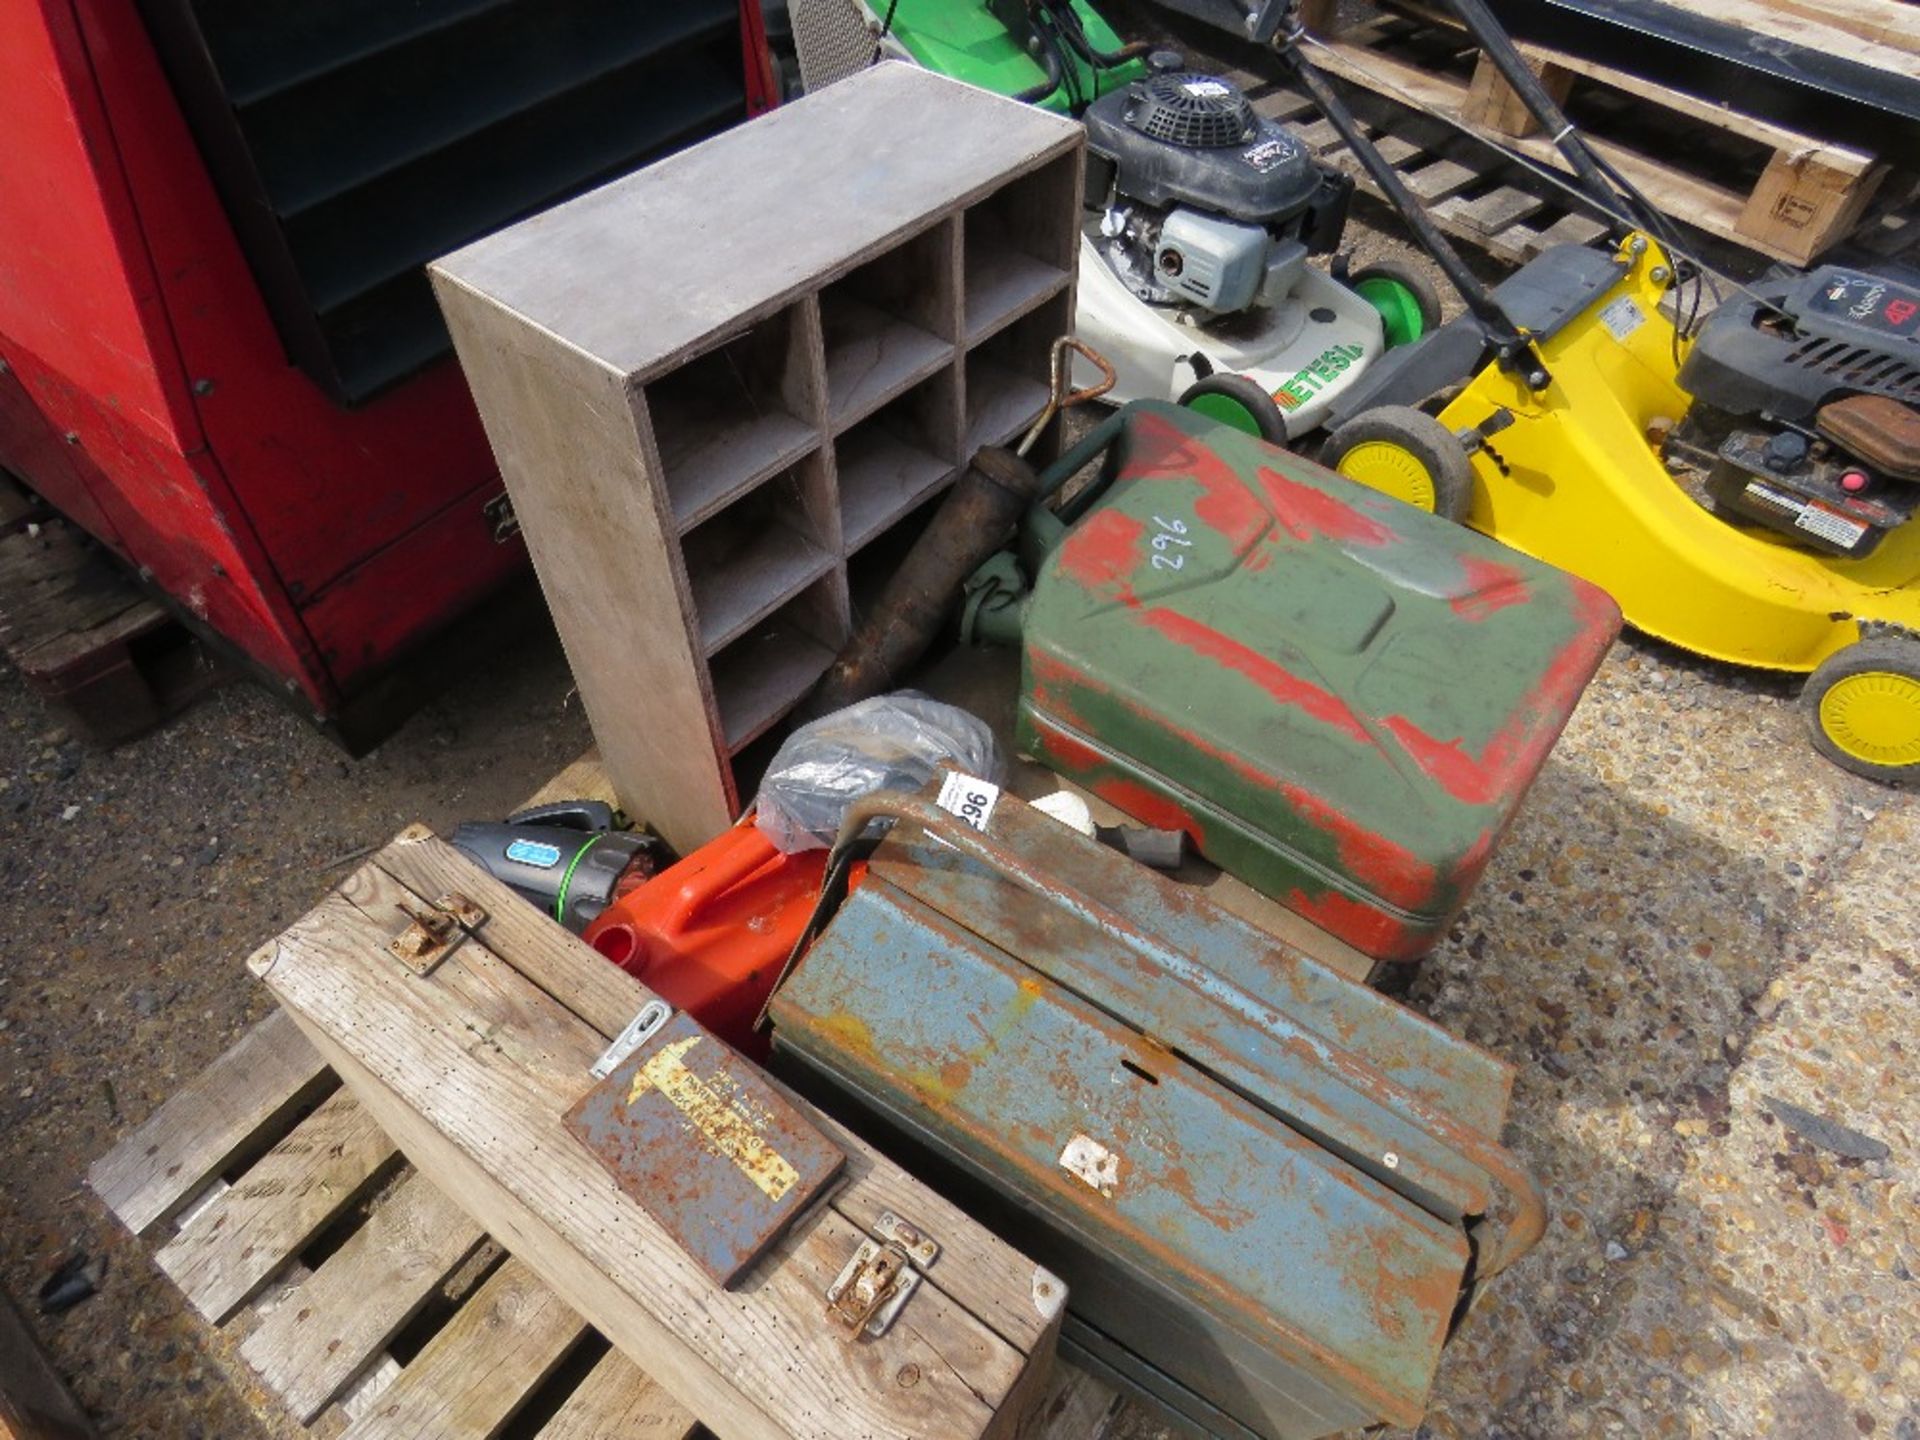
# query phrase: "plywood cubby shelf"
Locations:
[[718, 385]]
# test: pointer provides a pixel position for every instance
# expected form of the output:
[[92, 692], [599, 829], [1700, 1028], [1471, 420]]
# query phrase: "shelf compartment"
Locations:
[[1003, 285], [890, 322], [1020, 244], [897, 457], [727, 420], [764, 673], [752, 556], [872, 356], [1007, 374]]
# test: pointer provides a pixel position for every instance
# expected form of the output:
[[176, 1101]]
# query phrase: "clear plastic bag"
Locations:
[[891, 742]]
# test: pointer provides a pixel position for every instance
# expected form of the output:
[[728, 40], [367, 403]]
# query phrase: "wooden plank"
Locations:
[[1802, 204], [1889, 22], [1712, 208], [472, 1113], [1435, 182], [198, 1133], [1562, 66], [34, 1403], [473, 1377], [1491, 213], [617, 1401], [1770, 18], [232, 1247], [342, 1315], [1074, 1406], [1495, 105]]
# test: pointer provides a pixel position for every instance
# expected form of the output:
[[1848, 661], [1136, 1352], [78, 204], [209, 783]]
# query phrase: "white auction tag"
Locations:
[[969, 797]]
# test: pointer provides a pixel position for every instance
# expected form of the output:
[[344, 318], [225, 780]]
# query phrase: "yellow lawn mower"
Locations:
[[1745, 488]]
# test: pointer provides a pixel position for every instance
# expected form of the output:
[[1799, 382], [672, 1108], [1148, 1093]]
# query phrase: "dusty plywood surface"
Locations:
[[683, 248]]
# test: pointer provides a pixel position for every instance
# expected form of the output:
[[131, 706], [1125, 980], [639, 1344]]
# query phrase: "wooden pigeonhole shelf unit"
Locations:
[[718, 384]]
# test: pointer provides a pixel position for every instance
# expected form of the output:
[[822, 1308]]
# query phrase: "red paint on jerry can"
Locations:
[[709, 933]]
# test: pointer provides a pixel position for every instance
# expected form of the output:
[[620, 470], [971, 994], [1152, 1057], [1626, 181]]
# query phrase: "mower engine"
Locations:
[[1806, 411], [1202, 204]]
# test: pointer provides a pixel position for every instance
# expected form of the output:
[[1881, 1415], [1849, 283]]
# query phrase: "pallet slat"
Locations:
[[617, 1401], [473, 1377], [342, 1315], [233, 1246], [197, 1134]]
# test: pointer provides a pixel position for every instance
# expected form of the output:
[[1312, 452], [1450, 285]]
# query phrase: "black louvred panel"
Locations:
[[354, 140]]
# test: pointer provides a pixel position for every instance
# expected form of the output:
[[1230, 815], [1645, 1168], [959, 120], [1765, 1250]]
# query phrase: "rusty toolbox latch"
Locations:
[[436, 932], [873, 1287]]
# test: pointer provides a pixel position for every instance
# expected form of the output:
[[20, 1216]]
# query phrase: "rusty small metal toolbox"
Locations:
[[1341, 700], [696, 1133], [1269, 1189]]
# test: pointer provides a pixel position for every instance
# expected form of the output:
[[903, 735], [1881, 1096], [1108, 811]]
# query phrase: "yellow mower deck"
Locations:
[[1577, 481]]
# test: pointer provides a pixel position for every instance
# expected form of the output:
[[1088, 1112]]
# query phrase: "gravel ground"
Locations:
[[1697, 945]]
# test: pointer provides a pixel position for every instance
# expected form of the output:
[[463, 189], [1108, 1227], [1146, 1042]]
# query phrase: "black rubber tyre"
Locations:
[[1405, 453], [1412, 283], [1863, 707], [1237, 401]]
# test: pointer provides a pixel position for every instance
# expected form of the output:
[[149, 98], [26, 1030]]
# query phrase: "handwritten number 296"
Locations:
[[1172, 533]]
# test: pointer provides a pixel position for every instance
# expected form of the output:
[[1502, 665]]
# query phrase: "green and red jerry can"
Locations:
[[1342, 700]]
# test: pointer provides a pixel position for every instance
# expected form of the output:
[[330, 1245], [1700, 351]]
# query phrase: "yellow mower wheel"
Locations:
[[1864, 704], [1405, 453]]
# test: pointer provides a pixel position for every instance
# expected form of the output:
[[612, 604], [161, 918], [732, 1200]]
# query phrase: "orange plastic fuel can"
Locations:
[[709, 933]]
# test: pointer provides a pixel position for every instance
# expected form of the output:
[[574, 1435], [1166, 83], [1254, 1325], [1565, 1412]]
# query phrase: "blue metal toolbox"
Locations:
[[1271, 1190]]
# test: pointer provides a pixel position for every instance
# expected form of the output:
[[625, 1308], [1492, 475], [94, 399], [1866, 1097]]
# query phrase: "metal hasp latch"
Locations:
[[436, 932], [874, 1286]]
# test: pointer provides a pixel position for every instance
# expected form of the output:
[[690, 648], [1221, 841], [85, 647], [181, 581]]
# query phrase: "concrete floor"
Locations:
[[1695, 927]]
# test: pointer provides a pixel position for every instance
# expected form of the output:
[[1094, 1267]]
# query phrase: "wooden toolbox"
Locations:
[[469, 1069]]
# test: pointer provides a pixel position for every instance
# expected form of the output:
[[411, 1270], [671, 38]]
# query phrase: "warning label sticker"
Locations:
[[1623, 317]]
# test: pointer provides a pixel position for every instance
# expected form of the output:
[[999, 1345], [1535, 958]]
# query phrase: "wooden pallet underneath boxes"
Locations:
[[326, 1252]]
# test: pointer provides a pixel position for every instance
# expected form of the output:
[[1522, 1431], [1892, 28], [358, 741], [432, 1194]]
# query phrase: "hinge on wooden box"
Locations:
[[873, 1287], [436, 932]]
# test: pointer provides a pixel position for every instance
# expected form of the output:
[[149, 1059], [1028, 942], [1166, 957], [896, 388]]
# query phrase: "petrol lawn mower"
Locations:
[[1201, 214], [1744, 487]]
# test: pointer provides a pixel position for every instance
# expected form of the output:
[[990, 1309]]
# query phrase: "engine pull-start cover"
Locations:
[[1340, 698]]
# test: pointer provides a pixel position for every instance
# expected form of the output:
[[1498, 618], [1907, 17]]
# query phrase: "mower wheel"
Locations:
[[1864, 706], [1409, 306], [1239, 402], [1405, 453]]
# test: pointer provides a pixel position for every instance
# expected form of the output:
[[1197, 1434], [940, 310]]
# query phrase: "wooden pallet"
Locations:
[[364, 1299], [82, 634], [1510, 222], [1759, 185]]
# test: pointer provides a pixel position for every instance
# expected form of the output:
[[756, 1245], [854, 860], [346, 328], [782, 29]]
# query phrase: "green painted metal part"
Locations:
[[967, 41], [1266, 1186], [1342, 700], [1398, 306]]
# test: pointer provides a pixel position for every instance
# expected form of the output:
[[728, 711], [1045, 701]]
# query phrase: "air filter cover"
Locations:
[[1197, 111]]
